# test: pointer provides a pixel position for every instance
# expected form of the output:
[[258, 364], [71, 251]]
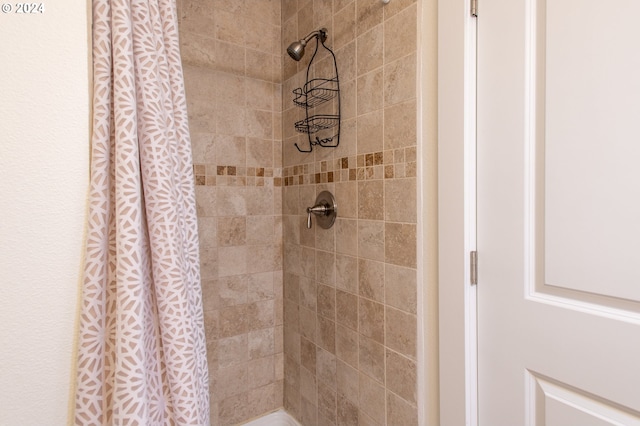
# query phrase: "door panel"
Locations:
[[557, 404], [558, 212], [591, 113]]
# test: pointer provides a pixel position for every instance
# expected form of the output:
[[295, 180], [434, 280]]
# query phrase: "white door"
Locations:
[[558, 212]]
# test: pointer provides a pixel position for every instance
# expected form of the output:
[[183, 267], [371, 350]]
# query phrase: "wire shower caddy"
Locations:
[[321, 129]]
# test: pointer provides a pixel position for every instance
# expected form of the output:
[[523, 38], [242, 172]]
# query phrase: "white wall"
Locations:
[[44, 157], [428, 346]]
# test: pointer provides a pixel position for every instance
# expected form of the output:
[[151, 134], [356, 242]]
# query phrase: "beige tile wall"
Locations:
[[350, 291], [231, 52], [320, 321]]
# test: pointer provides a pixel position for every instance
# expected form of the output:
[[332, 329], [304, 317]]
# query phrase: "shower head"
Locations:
[[296, 49]]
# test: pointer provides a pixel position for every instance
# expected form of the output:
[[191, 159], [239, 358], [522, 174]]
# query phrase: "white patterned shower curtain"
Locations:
[[142, 349]]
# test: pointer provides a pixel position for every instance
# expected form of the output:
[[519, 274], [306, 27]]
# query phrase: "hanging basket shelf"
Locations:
[[316, 92], [316, 123]]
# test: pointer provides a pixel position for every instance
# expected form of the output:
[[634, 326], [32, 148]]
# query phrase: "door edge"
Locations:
[[456, 212]]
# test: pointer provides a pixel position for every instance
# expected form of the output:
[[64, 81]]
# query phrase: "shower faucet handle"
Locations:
[[325, 210], [318, 210]]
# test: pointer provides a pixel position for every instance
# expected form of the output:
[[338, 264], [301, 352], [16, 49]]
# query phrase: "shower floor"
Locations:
[[278, 418]]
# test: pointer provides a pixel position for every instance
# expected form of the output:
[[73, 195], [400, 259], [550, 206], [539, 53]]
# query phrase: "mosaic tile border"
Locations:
[[215, 175], [397, 163], [389, 164]]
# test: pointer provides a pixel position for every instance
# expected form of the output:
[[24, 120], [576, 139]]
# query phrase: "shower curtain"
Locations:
[[142, 349]]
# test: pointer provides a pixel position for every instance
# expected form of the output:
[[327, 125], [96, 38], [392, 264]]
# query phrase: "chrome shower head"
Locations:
[[296, 49]]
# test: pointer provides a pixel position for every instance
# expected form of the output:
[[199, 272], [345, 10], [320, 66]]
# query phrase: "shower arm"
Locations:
[[321, 34]]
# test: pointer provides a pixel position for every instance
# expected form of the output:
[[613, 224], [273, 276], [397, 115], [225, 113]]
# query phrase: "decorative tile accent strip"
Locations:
[[388, 164], [214, 175]]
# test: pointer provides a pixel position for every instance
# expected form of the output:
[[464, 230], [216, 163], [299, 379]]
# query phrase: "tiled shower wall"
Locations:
[[232, 64], [348, 325], [350, 291]]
